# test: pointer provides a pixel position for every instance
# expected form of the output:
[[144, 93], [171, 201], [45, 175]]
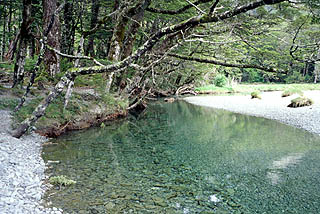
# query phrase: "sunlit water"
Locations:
[[181, 158]]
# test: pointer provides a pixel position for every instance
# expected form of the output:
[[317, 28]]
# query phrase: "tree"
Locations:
[[23, 37], [94, 18], [51, 60], [195, 22]]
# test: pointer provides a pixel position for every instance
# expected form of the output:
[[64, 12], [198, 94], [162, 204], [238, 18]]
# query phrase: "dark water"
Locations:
[[180, 158]]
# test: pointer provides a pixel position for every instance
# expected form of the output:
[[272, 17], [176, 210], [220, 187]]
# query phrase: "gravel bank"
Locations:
[[271, 106], [21, 172]]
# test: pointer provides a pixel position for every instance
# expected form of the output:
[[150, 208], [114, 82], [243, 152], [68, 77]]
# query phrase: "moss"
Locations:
[[61, 180], [81, 107], [300, 102], [93, 80], [26, 110], [255, 94]]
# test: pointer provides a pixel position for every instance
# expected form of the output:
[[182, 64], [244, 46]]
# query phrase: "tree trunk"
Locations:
[[51, 60], [116, 45], [23, 42], [68, 27], [3, 40], [94, 18]]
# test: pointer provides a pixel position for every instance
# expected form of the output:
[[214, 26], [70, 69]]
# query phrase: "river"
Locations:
[[181, 158]]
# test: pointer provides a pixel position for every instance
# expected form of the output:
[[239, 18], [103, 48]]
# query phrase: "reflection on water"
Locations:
[[290, 160], [180, 158]]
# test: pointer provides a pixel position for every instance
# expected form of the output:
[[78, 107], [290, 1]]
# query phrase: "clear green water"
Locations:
[[180, 158]]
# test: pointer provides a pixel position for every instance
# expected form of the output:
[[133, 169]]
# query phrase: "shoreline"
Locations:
[[271, 106], [22, 172]]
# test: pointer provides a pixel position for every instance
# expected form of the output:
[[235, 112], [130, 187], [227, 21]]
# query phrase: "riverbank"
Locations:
[[271, 106], [22, 172], [22, 169]]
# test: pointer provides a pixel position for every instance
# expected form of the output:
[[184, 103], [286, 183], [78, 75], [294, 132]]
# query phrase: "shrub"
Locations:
[[255, 94], [220, 81], [300, 102]]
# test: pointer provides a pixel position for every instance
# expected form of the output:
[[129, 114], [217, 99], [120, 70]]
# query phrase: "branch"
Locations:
[[210, 42], [213, 7], [141, 68], [295, 47], [233, 65], [181, 10], [195, 6], [74, 57]]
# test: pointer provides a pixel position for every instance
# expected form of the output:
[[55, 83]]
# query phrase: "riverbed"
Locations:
[[182, 158]]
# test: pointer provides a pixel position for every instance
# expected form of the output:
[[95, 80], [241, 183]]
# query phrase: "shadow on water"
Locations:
[[181, 158]]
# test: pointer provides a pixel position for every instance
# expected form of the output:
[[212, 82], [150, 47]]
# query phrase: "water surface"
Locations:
[[181, 158]]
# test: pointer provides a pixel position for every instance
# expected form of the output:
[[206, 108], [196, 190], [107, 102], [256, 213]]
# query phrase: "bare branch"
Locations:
[[210, 42], [213, 7], [74, 57], [195, 6]]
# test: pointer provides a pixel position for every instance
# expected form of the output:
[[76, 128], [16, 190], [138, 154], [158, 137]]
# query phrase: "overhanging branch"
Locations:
[[232, 65]]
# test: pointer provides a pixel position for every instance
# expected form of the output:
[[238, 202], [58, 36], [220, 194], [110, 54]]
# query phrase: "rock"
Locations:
[[21, 172], [109, 205], [169, 100], [159, 201]]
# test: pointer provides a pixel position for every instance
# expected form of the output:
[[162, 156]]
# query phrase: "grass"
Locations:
[[248, 88], [291, 91], [255, 94], [78, 107], [61, 180], [8, 103], [300, 102], [54, 111], [208, 89]]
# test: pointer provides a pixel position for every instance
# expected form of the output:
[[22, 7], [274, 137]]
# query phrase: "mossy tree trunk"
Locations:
[[24, 35], [116, 44]]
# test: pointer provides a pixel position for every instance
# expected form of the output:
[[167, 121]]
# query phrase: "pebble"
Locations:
[[22, 172]]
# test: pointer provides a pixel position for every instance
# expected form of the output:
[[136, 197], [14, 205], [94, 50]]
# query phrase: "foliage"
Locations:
[[252, 76], [220, 80], [65, 64], [6, 66], [255, 94], [42, 79], [30, 64], [295, 77], [214, 89], [300, 102], [61, 180]]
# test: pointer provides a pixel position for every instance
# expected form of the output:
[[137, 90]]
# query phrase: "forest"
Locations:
[[134, 49]]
